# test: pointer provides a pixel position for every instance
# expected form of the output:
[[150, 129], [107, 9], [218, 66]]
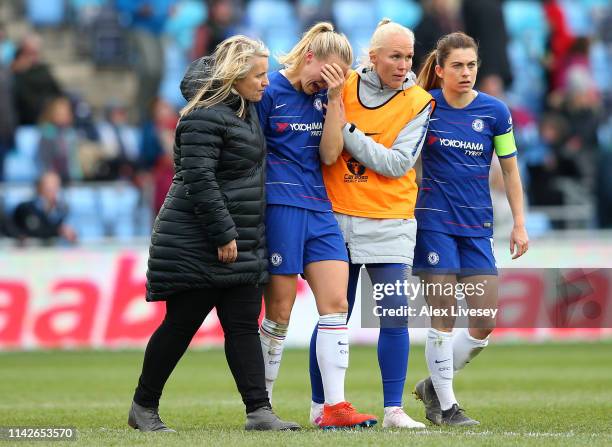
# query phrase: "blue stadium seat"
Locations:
[[404, 12], [181, 25], [264, 14], [19, 168], [360, 41], [528, 89], [174, 69], [352, 14], [26, 141], [537, 224], [84, 212], [45, 12], [14, 195], [279, 40], [578, 17], [119, 210], [601, 64], [524, 16]]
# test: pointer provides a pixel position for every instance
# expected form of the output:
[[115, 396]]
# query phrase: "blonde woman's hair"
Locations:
[[233, 59], [384, 29], [324, 42]]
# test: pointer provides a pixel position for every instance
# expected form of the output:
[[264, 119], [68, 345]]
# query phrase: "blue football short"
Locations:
[[298, 236], [444, 253]]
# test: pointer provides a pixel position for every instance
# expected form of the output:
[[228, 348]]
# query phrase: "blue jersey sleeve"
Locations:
[[503, 123], [503, 134]]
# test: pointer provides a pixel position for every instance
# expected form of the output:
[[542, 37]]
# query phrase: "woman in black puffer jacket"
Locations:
[[208, 246]]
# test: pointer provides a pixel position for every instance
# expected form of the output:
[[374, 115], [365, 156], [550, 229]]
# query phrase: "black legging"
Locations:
[[238, 309]]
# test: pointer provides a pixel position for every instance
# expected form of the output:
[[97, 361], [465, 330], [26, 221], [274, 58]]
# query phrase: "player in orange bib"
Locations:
[[381, 121]]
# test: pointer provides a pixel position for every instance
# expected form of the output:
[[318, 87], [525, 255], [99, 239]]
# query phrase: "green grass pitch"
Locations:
[[541, 395]]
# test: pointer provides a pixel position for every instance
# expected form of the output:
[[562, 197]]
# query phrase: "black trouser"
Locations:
[[238, 309]]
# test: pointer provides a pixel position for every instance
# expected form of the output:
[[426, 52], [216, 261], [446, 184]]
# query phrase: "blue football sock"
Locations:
[[393, 339]]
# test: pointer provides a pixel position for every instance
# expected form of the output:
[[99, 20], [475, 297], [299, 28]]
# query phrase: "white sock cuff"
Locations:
[[436, 333], [332, 322], [274, 330], [477, 342]]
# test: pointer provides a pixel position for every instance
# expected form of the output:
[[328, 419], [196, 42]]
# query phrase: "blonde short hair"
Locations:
[[379, 38]]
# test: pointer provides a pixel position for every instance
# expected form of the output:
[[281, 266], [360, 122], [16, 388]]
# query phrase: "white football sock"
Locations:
[[333, 355], [316, 413], [439, 356], [272, 337], [466, 347]]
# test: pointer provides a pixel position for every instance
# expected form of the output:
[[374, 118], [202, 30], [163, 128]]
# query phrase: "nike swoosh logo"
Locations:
[[369, 134], [441, 361], [342, 344], [279, 106]]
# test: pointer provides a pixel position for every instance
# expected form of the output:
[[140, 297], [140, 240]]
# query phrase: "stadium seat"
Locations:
[[19, 168], [181, 25], [404, 12], [360, 41], [353, 14], [528, 89], [523, 16], [578, 17], [279, 39], [537, 224], [264, 14], [13, 195], [84, 212], [119, 209], [174, 69], [26, 141], [601, 65], [45, 12]]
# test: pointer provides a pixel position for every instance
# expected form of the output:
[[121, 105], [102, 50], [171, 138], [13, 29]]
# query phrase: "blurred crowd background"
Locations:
[[89, 99]]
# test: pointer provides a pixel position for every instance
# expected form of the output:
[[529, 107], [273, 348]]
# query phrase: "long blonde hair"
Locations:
[[428, 79], [233, 59], [383, 30], [324, 42]]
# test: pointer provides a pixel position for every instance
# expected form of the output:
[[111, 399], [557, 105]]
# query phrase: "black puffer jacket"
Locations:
[[217, 195]]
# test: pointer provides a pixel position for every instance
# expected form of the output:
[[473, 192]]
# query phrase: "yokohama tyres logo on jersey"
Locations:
[[470, 148], [315, 128], [460, 144]]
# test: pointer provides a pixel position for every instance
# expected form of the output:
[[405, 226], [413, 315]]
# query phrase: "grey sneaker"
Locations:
[[456, 416], [425, 392], [146, 419], [264, 419]]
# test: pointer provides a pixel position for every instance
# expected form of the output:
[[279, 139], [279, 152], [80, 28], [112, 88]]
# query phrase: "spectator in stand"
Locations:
[[7, 117], [559, 42], [582, 109], [156, 148], [147, 19], [120, 145], [219, 25], [484, 21], [58, 149], [440, 17], [44, 216], [33, 82]]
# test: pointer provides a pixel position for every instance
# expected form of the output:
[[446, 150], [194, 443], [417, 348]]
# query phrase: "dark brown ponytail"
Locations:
[[427, 78]]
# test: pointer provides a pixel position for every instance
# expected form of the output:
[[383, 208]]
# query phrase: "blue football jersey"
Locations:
[[454, 197], [292, 122]]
